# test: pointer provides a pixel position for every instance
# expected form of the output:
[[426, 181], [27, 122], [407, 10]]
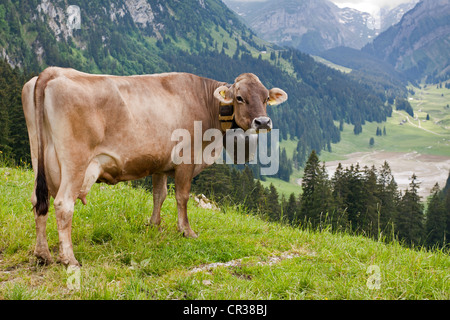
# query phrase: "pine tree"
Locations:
[[260, 195], [446, 192], [389, 197], [340, 216], [436, 219], [354, 195], [291, 211], [369, 220], [410, 219], [357, 129], [248, 184], [285, 169], [316, 200], [273, 204]]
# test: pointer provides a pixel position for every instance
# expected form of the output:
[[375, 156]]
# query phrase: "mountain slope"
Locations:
[[315, 26], [311, 26], [419, 45], [113, 36], [392, 16], [203, 37], [124, 258]]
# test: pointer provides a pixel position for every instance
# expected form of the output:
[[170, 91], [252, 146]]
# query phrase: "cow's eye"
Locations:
[[239, 99]]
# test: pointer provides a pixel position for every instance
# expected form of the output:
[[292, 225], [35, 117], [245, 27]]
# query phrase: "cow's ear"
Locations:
[[223, 95], [277, 96]]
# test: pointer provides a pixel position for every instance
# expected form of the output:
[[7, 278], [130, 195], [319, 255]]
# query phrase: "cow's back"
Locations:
[[126, 120]]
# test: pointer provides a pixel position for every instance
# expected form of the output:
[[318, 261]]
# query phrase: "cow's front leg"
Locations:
[[159, 182], [183, 178]]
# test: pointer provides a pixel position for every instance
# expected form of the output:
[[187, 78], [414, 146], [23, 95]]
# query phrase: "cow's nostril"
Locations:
[[262, 123]]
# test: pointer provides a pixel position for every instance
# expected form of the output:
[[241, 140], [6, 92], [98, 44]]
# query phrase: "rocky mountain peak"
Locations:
[[314, 26]]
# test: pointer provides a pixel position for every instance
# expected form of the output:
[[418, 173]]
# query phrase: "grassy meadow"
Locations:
[[403, 132], [124, 258]]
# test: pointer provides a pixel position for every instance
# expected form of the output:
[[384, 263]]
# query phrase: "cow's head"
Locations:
[[250, 98]]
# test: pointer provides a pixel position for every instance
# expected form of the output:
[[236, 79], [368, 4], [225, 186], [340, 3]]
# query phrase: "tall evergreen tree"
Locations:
[[354, 193], [315, 203], [273, 204], [390, 197], [410, 219], [369, 220], [292, 209], [436, 219], [260, 195], [340, 214], [446, 192]]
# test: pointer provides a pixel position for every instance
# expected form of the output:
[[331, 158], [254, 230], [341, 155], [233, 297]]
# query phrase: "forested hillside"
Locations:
[[202, 37], [356, 200]]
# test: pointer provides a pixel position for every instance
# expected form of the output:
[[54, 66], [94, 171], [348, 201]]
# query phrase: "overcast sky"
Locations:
[[362, 5], [369, 5]]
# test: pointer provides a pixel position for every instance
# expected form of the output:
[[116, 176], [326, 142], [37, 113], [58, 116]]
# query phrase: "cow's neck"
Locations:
[[226, 116], [214, 105]]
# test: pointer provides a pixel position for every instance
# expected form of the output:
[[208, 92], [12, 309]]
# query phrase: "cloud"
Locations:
[[358, 4]]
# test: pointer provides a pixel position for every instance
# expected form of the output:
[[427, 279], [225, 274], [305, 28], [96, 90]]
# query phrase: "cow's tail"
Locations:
[[41, 187]]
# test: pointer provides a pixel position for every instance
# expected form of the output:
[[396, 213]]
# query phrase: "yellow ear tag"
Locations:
[[222, 93], [271, 102]]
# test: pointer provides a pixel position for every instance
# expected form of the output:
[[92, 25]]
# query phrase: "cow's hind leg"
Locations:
[[183, 178], [159, 182], [41, 251], [64, 206]]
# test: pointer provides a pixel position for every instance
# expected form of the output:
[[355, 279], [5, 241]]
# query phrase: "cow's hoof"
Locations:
[[68, 262], [190, 234], [43, 258]]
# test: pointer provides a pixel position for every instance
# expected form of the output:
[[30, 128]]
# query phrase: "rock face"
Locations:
[[140, 11], [420, 43], [309, 25], [313, 26], [57, 18]]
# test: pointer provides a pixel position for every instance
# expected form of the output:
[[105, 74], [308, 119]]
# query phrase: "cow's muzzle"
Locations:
[[262, 123]]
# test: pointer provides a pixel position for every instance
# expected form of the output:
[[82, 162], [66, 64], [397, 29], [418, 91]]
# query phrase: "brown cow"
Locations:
[[87, 128]]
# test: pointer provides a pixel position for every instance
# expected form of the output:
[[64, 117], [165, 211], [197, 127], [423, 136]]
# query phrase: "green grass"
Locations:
[[283, 187], [332, 65], [124, 258], [416, 134]]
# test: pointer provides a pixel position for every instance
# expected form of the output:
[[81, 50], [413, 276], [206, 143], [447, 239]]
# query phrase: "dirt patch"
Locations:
[[429, 169], [267, 262]]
